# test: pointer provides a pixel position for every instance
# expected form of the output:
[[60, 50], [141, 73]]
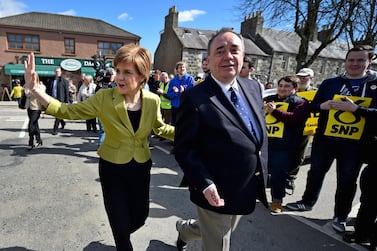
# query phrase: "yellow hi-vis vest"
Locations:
[[165, 102]]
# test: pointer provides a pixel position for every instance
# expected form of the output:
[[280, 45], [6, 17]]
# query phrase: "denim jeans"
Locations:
[[279, 162], [101, 133], [348, 164]]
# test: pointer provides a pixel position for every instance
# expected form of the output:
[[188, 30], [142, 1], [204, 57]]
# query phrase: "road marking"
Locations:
[[162, 149], [24, 128], [15, 118], [162, 170]]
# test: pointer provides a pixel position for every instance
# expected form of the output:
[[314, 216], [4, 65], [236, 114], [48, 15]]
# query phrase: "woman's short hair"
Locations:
[[290, 79], [138, 56]]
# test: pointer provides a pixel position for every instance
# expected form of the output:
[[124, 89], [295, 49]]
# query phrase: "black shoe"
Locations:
[[352, 237], [29, 147], [299, 206], [181, 245], [38, 144], [54, 132], [339, 224], [373, 247]]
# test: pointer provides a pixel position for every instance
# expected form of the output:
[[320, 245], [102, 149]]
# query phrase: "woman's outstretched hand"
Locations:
[[32, 81], [30, 75]]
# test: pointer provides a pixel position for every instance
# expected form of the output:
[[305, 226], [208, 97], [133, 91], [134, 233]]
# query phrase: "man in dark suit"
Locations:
[[59, 89], [221, 150]]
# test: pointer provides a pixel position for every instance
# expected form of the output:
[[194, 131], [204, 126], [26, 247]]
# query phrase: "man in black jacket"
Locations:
[[59, 89], [221, 149], [340, 139], [366, 220]]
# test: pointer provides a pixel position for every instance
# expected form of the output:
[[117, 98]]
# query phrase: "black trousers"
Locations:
[[56, 124], [91, 125], [366, 225], [173, 119], [299, 158], [33, 126], [125, 189]]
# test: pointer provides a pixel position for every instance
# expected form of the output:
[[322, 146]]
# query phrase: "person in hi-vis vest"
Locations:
[[165, 100]]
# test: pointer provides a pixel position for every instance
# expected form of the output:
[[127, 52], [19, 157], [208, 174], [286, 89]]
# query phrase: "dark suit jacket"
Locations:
[[62, 89], [213, 145]]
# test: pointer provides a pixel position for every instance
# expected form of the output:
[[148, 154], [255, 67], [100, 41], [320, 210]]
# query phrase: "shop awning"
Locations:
[[45, 70], [88, 71], [14, 69], [18, 70]]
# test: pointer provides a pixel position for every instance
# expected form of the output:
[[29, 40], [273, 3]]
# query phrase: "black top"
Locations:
[[134, 118]]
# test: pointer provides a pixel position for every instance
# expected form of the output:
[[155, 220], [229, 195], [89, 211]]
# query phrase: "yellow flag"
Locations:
[[347, 124], [308, 95], [312, 122], [275, 128]]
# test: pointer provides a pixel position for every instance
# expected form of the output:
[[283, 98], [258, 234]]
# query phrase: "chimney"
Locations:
[[252, 25], [171, 20], [325, 34]]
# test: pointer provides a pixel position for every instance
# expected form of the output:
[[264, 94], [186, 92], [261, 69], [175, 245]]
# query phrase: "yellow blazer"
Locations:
[[121, 143]]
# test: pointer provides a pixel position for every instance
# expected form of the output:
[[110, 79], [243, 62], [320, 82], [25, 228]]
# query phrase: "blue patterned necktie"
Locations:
[[241, 111]]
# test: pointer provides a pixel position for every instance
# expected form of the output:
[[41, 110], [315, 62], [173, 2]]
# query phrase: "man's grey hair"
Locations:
[[222, 31]]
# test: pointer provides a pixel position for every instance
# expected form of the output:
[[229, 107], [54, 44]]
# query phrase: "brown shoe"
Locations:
[[276, 207]]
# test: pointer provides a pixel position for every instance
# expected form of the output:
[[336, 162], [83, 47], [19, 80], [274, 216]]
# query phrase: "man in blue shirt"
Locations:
[[181, 82]]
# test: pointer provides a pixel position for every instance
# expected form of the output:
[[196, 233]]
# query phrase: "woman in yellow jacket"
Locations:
[[128, 113]]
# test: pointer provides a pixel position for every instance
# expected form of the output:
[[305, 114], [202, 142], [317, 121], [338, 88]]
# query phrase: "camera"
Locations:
[[103, 75], [15, 81]]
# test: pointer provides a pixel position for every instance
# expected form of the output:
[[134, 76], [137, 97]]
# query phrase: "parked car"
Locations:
[[269, 92]]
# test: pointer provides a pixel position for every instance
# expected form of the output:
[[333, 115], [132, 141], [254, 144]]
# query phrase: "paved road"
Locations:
[[50, 199]]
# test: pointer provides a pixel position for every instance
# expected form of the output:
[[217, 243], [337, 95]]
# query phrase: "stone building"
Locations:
[[273, 52], [282, 48], [57, 40], [190, 45]]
